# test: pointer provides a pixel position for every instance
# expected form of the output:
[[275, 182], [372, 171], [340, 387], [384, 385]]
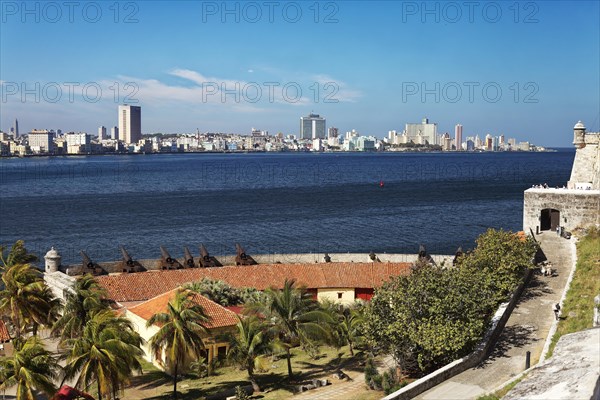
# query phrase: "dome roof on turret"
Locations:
[[52, 253], [579, 125]]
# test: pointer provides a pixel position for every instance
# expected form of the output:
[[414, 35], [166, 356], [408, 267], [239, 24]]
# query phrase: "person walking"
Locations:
[[556, 310]]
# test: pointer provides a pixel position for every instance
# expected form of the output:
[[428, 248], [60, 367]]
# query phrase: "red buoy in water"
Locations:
[[381, 184]]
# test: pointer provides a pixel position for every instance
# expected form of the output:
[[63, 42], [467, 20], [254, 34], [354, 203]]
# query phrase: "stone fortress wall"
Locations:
[[577, 205], [311, 258]]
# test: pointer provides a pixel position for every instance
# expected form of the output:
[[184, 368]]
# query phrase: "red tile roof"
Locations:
[[146, 285], [4, 336], [219, 315]]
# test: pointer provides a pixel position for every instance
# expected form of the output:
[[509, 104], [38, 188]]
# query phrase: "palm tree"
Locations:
[[107, 352], [180, 333], [347, 324], [17, 255], [26, 298], [85, 299], [248, 344], [31, 368], [294, 317]]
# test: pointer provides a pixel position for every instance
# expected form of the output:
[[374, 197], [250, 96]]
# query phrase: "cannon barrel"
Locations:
[[85, 260], [126, 257], [189, 259], [204, 253], [165, 255]]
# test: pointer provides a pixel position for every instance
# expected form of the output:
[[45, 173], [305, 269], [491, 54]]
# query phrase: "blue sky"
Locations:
[[528, 70]]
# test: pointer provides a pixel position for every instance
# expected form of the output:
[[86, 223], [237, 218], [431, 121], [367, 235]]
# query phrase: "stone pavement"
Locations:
[[352, 389], [526, 329]]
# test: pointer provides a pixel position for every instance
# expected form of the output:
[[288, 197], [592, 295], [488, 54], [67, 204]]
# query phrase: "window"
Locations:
[[340, 295]]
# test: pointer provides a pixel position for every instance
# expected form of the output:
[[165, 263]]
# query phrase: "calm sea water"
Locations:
[[267, 202]]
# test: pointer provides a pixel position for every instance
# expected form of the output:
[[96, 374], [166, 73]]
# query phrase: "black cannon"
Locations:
[[206, 260], [459, 253], [90, 267], [241, 257], [168, 262], [423, 256], [128, 264], [189, 259]]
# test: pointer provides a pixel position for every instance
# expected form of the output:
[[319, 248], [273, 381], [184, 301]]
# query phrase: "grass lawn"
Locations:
[[578, 309], [155, 385]]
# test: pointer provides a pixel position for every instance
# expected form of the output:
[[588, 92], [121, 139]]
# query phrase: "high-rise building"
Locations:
[[102, 133], [332, 132], [130, 123], [312, 127], [41, 141], [16, 128], [458, 137], [78, 143], [114, 133], [423, 133]]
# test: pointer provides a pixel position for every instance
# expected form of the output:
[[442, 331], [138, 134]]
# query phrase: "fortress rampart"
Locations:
[[577, 205]]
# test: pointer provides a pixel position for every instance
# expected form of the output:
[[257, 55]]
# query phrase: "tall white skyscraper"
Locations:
[[312, 127], [102, 133], [458, 137], [16, 130], [130, 123]]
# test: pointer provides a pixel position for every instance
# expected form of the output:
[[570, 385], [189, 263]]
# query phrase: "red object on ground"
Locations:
[[69, 393]]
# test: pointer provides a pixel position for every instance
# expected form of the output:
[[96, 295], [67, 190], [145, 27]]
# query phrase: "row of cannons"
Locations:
[[129, 265]]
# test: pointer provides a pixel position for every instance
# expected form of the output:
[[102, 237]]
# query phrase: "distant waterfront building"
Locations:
[[423, 133], [102, 133], [130, 123], [41, 141], [446, 142], [332, 132], [16, 128], [312, 127], [458, 136], [78, 143], [489, 142], [470, 145], [114, 133]]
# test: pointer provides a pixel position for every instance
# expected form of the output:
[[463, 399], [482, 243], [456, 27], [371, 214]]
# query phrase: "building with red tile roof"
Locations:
[[4, 336], [221, 320], [343, 281]]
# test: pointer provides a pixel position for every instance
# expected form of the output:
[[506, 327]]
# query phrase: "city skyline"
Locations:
[[517, 74]]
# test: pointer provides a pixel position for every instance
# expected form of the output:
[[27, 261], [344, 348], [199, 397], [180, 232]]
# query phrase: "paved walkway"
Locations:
[[526, 330]]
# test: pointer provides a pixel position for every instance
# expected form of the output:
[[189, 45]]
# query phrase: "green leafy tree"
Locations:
[[31, 368], [180, 335], [26, 299], [107, 353], [216, 290], [503, 257], [247, 346], [294, 317], [430, 317], [224, 294], [434, 315], [85, 298]]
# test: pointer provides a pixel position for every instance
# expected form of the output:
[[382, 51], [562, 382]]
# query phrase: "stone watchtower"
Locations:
[[53, 260], [578, 204], [585, 173], [579, 135]]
